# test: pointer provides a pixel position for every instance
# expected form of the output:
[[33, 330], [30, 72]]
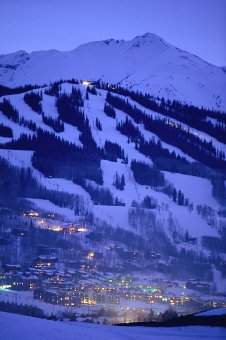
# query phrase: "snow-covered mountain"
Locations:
[[150, 172], [146, 63]]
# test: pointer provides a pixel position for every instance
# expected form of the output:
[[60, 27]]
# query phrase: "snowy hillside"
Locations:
[[104, 155], [146, 63], [197, 190], [38, 329]]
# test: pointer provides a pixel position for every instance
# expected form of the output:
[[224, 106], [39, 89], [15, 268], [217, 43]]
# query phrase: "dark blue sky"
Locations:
[[197, 26]]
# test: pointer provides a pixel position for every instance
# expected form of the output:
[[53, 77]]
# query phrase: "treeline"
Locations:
[[56, 124], [53, 90], [147, 175], [9, 111], [109, 111], [58, 158], [4, 90], [145, 223], [63, 159], [178, 197], [188, 114], [113, 151], [219, 189], [128, 129], [107, 234], [20, 182], [119, 181], [33, 99], [98, 195], [6, 131], [147, 203], [154, 150], [175, 135], [91, 89], [12, 307]]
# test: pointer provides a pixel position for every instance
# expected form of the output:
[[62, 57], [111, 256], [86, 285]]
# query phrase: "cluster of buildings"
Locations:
[[82, 279]]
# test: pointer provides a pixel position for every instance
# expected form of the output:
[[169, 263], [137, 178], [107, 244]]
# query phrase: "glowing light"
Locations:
[[85, 82], [56, 228], [88, 301], [82, 229], [33, 214], [90, 255], [5, 287]]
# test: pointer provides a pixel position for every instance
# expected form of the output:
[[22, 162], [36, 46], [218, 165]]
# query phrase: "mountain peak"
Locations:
[[148, 36], [149, 39]]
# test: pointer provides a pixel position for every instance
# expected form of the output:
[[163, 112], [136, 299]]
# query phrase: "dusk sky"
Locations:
[[197, 26]]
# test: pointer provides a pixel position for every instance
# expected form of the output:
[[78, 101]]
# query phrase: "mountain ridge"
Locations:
[[145, 63]]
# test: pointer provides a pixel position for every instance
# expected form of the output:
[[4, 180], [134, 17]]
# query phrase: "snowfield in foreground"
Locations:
[[27, 328]]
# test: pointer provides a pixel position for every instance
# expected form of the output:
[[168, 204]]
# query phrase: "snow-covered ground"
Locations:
[[23, 327], [197, 190], [218, 311]]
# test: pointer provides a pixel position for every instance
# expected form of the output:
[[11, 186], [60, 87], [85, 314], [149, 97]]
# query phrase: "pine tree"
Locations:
[[174, 195], [122, 184]]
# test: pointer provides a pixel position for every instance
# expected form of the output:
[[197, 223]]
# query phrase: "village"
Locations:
[[92, 282]]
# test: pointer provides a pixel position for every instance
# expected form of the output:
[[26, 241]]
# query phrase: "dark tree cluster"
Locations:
[[154, 149], [162, 158], [53, 90], [19, 182], [24, 142], [119, 181], [69, 111], [63, 159], [68, 106], [28, 123], [113, 151], [9, 111], [195, 117], [92, 90], [98, 195], [98, 124], [33, 99], [6, 131], [109, 111], [12, 307], [55, 157], [56, 124], [175, 135], [219, 189], [178, 197], [4, 90], [149, 203], [147, 175], [102, 196], [115, 235], [128, 129]]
